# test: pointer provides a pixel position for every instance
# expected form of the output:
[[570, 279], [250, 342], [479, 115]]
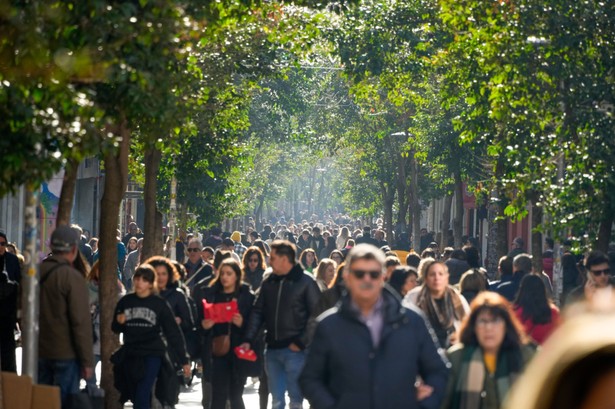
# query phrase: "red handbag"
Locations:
[[220, 312]]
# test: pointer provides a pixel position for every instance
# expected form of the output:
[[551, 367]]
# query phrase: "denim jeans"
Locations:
[[60, 372], [143, 394], [283, 369]]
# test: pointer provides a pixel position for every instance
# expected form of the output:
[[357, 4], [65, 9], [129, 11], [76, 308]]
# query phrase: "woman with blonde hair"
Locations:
[[325, 273], [341, 240], [442, 304]]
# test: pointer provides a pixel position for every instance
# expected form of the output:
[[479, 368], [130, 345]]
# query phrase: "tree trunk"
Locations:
[[458, 221], [388, 197], [116, 179], [606, 226], [537, 212], [257, 214], [415, 207], [492, 261], [445, 226], [150, 238], [67, 195]]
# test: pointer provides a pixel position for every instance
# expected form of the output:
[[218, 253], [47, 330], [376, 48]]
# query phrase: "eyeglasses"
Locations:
[[605, 272], [193, 250], [483, 323], [3, 243], [374, 274]]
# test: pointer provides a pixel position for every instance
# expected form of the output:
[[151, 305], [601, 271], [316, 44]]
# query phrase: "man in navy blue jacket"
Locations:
[[368, 351]]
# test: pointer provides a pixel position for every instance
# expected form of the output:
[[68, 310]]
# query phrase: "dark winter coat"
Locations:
[[254, 278], [8, 305], [509, 289], [245, 300], [456, 268], [344, 370], [182, 308], [284, 304]]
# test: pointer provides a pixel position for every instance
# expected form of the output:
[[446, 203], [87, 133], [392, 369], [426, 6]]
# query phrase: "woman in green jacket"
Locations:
[[490, 356]]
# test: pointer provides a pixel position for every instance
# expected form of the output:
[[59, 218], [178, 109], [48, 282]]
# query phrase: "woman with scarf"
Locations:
[[491, 355], [442, 304]]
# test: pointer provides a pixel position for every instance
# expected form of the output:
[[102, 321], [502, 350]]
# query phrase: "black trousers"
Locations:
[[7, 344], [226, 384]]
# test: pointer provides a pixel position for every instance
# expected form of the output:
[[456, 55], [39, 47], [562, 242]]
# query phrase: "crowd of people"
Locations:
[[329, 313]]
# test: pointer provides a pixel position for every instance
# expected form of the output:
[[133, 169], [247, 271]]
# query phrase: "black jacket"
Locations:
[[180, 307], [284, 304], [343, 370], [8, 305], [509, 289], [456, 268], [245, 299], [254, 278]]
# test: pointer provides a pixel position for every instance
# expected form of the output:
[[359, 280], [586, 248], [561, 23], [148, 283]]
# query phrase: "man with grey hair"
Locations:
[[368, 350], [65, 338], [195, 262]]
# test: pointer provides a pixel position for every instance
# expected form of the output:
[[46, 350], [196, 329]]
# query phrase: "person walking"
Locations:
[[65, 351], [442, 304], [10, 279], [167, 280], [254, 267], [286, 300], [150, 333], [492, 353], [368, 351], [538, 315], [229, 372]]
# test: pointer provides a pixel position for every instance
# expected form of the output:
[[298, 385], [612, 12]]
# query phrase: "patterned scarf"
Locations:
[[446, 317], [470, 384]]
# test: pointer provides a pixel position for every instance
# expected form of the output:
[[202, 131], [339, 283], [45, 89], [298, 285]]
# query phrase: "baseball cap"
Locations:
[[64, 238]]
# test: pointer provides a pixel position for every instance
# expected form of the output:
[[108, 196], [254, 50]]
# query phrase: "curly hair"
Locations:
[[156, 261]]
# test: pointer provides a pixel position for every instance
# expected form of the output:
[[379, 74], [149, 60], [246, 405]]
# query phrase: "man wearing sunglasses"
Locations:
[[598, 277], [368, 351], [195, 262], [10, 277]]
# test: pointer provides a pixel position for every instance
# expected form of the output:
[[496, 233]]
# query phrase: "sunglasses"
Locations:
[[605, 272], [193, 250], [3, 243], [374, 274], [253, 260]]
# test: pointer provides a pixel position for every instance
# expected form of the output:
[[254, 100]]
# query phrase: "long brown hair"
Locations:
[[498, 306], [233, 264], [251, 251]]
